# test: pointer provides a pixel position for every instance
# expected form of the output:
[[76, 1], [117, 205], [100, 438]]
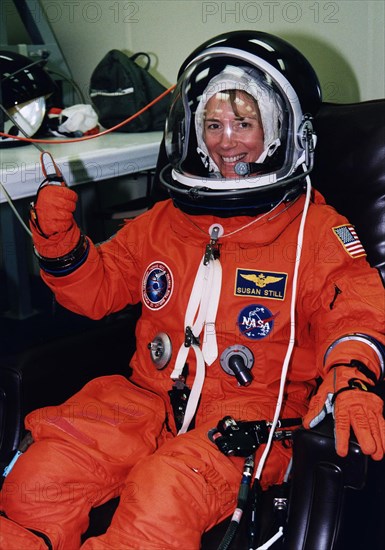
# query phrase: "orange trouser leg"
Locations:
[[15, 537], [82, 454], [175, 495]]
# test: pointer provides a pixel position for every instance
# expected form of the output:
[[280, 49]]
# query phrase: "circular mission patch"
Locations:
[[157, 285]]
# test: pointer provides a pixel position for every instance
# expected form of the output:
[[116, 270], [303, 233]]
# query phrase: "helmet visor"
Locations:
[[27, 116], [228, 113]]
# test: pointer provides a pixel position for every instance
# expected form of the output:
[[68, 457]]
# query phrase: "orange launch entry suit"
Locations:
[[118, 436]]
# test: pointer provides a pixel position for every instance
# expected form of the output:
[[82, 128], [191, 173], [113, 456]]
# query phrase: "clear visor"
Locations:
[[217, 124], [236, 121], [27, 116]]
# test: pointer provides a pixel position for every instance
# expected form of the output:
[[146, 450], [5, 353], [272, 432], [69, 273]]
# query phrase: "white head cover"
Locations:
[[249, 81]]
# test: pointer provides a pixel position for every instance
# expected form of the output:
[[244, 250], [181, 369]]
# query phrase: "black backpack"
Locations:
[[119, 88]]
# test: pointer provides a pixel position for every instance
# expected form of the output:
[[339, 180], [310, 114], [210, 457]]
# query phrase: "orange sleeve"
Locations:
[[107, 281], [341, 295]]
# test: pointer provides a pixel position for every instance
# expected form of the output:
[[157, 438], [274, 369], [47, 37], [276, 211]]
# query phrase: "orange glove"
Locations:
[[54, 230], [345, 392]]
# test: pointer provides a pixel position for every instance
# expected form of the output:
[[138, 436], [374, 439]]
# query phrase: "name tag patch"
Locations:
[[264, 284]]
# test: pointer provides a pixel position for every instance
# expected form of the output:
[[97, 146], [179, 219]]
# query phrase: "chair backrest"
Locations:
[[350, 172], [350, 169]]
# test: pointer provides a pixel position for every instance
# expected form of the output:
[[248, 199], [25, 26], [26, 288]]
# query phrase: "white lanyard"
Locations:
[[200, 315]]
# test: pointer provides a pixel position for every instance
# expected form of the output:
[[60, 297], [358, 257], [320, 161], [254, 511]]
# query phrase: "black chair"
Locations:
[[334, 504], [340, 503]]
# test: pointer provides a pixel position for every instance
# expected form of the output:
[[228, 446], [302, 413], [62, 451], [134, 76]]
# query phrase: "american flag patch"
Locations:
[[348, 237]]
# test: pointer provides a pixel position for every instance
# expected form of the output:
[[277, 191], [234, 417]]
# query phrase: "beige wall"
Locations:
[[343, 39]]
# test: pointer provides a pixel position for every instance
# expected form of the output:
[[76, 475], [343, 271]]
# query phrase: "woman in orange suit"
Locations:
[[252, 288]]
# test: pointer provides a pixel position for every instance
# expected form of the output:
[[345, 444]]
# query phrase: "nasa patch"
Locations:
[[157, 285], [256, 321]]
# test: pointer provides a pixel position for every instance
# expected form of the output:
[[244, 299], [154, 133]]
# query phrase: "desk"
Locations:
[[103, 158], [106, 157]]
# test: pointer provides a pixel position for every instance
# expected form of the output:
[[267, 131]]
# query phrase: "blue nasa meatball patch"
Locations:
[[157, 285], [255, 321]]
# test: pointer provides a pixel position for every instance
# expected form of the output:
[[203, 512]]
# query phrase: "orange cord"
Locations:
[[85, 138]]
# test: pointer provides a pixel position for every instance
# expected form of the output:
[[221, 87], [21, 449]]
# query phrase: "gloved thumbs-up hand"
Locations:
[[58, 243], [54, 230]]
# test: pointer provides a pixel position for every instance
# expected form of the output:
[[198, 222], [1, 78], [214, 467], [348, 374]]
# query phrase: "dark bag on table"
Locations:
[[119, 88]]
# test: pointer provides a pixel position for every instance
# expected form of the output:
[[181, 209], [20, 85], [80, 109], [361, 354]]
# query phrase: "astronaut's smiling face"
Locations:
[[233, 130]]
